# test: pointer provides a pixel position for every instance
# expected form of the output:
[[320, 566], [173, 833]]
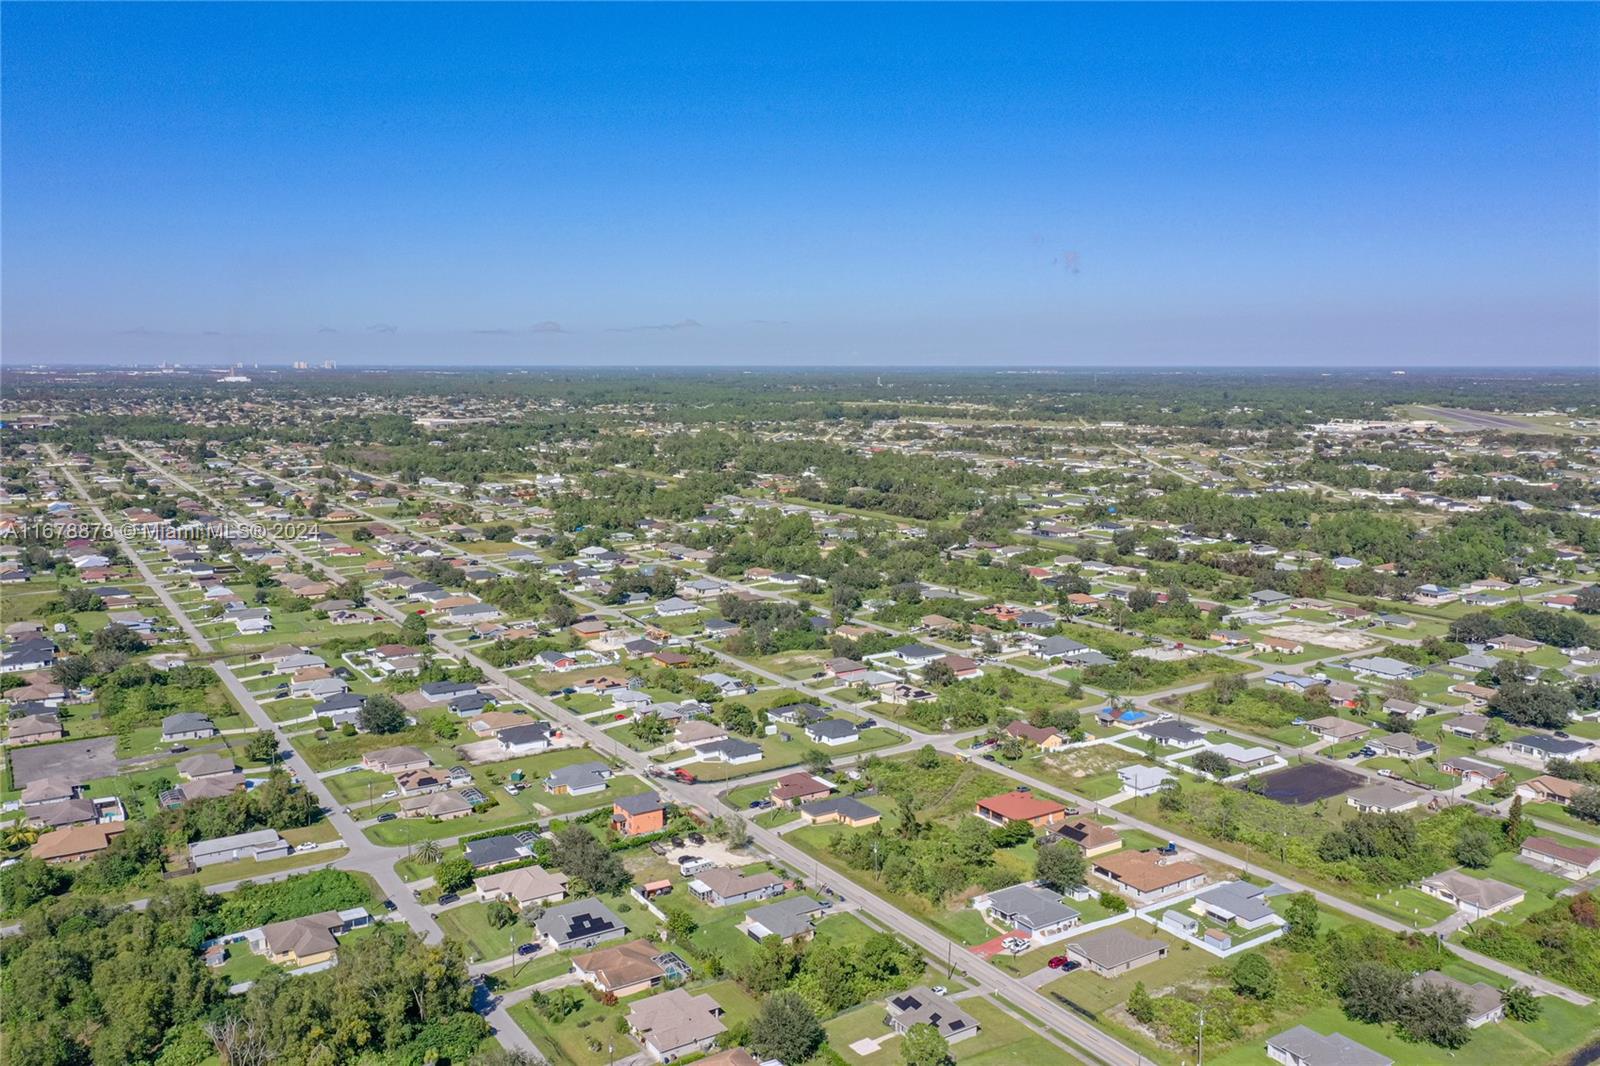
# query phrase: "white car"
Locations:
[[308, 846], [391, 794]]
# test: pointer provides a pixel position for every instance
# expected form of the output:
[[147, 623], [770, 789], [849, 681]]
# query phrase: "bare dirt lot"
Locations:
[[1322, 636]]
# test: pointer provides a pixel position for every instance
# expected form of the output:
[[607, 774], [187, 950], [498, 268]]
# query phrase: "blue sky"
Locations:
[[1318, 185]]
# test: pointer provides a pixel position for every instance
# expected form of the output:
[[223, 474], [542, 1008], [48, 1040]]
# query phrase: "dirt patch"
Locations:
[[1322, 636]]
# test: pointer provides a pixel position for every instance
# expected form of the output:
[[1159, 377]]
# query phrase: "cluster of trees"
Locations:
[[88, 983], [137, 854], [769, 626], [1391, 849], [1562, 941]]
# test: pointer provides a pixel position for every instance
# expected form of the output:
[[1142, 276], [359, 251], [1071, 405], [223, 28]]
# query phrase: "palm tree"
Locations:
[[429, 852]]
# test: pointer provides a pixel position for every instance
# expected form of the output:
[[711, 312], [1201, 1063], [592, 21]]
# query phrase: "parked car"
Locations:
[[1064, 964], [940, 990], [449, 897], [388, 905], [387, 817], [527, 949]]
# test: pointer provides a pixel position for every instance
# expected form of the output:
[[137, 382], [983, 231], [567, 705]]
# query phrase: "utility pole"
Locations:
[[1202, 1059]]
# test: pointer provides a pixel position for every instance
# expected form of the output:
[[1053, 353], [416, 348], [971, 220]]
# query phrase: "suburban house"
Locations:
[[676, 1023], [787, 919], [1018, 806], [1090, 836], [1483, 1001], [34, 729], [637, 815], [791, 790], [1042, 737], [188, 725], [1237, 902], [730, 750], [489, 852], [76, 842], [622, 969], [1384, 668], [1468, 726], [1173, 735], [1115, 951], [395, 760], [1141, 780], [1028, 909], [523, 887], [1477, 897], [1305, 1047], [445, 806], [524, 739], [833, 732], [1336, 729], [923, 1006], [582, 923], [1382, 799], [847, 810], [1403, 746], [578, 779], [1548, 789], [1474, 771], [1544, 748], [1565, 859], [721, 886], [310, 940], [259, 844], [1145, 877]]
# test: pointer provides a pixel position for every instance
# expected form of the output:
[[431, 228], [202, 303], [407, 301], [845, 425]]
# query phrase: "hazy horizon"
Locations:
[[831, 186]]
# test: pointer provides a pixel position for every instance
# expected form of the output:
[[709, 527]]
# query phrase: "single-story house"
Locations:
[[1566, 859], [621, 969], [721, 886], [1306, 1047], [259, 844], [188, 725], [1477, 897], [923, 1006], [578, 779], [676, 1023], [1030, 909], [1484, 1005], [1548, 789], [1382, 799], [1146, 876], [1141, 780], [581, 923], [1239, 902], [1337, 729], [1090, 836], [787, 919], [847, 810], [1018, 806], [523, 887], [1115, 951]]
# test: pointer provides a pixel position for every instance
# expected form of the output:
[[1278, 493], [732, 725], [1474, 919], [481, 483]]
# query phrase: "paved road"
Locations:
[[1016, 990], [1098, 1045]]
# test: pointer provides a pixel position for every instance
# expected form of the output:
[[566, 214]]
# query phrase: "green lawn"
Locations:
[[469, 923]]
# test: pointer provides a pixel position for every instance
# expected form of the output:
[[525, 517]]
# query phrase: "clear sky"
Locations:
[[1317, 185]]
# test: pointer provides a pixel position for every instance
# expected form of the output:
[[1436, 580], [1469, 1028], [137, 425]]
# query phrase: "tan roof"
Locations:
[[790, 786], [694, 731], [1555, 786], [304, 937], [623, 965], [676, 1018], [77, 840], [728, 882], [1144, 872], [528, 882]]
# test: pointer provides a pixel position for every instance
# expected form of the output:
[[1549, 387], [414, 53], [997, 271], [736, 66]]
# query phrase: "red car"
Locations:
[[1061, 962]]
